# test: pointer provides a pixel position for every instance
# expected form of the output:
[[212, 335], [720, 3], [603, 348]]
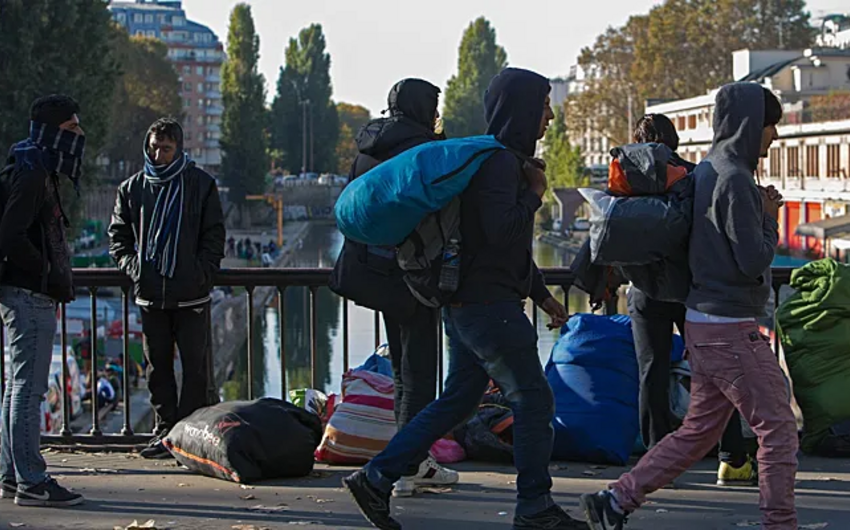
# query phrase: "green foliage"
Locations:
[[681, 49], [58, 46], [479, 60], [243, 139], [149, 88], [306, 77], [351, 119], [564, 163]]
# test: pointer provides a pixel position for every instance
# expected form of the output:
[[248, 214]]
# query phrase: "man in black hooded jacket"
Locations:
[[490, 335], [413, 341]]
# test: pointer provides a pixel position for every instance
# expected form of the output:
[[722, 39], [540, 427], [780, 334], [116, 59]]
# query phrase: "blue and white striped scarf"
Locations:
[[163, 236], [56, 150]]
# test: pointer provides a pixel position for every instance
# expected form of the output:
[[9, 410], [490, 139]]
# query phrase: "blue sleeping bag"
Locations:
[[593, 373], [387, 203]]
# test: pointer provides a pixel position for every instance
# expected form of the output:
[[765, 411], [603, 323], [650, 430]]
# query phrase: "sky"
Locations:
[[374, 43]]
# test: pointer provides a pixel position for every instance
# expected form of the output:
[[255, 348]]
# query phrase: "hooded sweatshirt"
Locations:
[[732, 240], [412, 106], [497, 209]]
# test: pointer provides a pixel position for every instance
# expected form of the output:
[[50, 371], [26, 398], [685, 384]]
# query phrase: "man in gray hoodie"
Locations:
[[733, 241]]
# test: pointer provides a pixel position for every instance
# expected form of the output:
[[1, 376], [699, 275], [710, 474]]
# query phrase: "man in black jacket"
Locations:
[[652, 327], [36, 275], [490, 335], [167, 235], [413, 341]]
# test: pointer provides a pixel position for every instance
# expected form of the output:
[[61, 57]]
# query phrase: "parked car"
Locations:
[[581, 224]]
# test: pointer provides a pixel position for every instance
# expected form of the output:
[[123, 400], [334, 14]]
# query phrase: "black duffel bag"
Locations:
[[370, 277], [247, 441]]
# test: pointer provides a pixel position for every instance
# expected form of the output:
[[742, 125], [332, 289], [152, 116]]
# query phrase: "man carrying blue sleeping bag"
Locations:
[[490, 336]]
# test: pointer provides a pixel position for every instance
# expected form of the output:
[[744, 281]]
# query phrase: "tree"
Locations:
[[681, 49], [351, 119], [304, 91], [243, 139], [148, 89], [58, 46], [564, 163], [479, 60]]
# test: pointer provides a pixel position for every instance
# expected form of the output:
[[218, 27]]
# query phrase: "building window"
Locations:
[[692, 121], [177, 21], [187, 87], [833, 161], [148, 19], [199, 70], [681, 124], [793, 154], [775, 162], [200, 87], [151, 33], [200, 120], [187, 70], [813, 161], [187, 103], [121, 18], [140, 33], [188, 136], [138, 18]]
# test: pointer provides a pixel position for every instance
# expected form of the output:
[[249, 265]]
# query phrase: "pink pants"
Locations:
[[732, 366]]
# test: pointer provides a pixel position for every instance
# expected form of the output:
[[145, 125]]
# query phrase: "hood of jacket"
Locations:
[[513, 108], [415, 99], [739, 123], [386, 137]]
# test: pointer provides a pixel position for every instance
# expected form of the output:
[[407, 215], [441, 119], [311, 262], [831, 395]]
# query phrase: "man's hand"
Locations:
[[536, 177], [772, 200], [556, 311]]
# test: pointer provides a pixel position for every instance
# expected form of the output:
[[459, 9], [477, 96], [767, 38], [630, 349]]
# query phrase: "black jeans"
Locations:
[[413, 351], [652, 328], [190, 329]]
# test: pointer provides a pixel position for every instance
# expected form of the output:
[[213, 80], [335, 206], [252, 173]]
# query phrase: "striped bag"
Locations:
[[363, 423]]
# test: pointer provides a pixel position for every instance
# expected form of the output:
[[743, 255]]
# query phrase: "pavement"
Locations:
[[122, 488]]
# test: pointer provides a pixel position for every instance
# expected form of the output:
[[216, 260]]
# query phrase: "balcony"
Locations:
[[213, 78], [214, 110], [213, 94], [212, 143]]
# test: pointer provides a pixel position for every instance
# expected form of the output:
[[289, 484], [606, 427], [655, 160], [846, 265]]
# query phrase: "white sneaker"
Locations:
[[430, 474]]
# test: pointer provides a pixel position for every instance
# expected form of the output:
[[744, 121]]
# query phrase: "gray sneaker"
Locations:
[[48, 494]]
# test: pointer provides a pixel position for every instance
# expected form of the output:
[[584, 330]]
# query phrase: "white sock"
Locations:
[[615, 505]]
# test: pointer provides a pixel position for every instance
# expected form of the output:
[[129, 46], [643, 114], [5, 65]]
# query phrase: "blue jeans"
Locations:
[[485, 341], [30, 320]]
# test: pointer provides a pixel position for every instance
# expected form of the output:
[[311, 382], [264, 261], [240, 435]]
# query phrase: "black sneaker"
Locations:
[[374, 505], [8, 489], [553, 518], [156, 451], [599, 512], [50, 494]]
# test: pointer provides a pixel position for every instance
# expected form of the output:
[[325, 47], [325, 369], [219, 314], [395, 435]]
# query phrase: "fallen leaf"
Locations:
[[323, 501], [435, 491], [248, 498], [662, 510], [589, 473], [182, 485], [246, 487], [503, 514], [17, 525]]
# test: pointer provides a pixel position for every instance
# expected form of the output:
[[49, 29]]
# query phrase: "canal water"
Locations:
[[320, 249]]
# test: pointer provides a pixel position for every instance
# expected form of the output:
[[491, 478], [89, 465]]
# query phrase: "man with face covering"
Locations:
[[412, 121], [490, 336], [167, 235], [733, 241]]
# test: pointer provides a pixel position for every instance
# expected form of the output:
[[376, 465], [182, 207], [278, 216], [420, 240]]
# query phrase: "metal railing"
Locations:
[[95, 280]]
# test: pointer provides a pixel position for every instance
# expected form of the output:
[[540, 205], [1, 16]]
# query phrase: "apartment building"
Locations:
[[198, 55]]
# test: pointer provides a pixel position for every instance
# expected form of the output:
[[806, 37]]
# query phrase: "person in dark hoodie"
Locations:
[[490, 336], [652, 328], [35, 276], [167, 234], [733, 241], [412, 121]]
